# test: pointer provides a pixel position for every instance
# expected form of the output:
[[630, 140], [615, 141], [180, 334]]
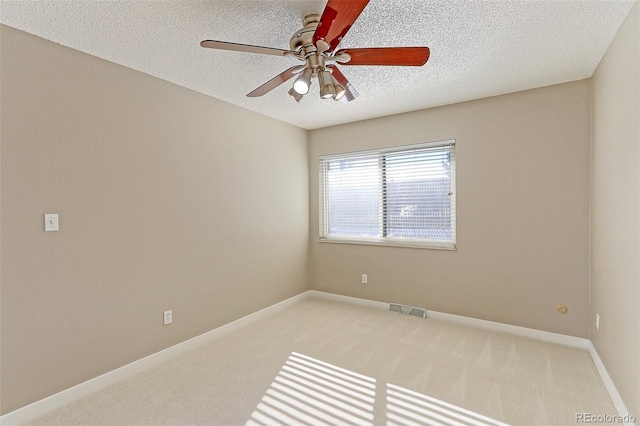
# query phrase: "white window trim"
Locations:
[[389, 241]]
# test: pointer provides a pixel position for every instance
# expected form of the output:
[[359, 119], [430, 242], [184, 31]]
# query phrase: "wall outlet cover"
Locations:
[[168, 317]]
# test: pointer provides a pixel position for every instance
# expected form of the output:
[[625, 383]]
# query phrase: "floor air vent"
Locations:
[[408, 310]]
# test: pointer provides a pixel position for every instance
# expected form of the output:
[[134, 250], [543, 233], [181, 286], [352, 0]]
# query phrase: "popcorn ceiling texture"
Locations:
[[478, 48]]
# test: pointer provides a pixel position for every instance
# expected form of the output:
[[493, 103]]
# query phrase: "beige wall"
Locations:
[[522, 203], [615, 211], [168, 199]]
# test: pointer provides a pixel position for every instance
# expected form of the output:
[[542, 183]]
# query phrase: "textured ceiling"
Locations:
[[478, 48]]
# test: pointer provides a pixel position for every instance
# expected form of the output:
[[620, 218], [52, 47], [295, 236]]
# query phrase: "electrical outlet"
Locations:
[[168, 317], [364, 278], [597, 321]]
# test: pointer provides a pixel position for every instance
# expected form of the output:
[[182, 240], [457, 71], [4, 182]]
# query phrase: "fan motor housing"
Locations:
[[303, 38]]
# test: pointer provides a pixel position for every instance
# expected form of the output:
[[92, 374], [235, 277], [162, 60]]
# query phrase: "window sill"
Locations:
[[392, 243]]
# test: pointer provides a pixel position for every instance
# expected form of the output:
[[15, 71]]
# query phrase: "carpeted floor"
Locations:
[[325, 362]]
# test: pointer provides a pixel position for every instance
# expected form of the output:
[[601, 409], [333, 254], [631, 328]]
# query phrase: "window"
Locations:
[[402, 196]]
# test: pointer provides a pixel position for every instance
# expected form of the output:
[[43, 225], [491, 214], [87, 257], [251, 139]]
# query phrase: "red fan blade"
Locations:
[[274, 82], [337, 18], [351, 92], [396, 56], [225, 45]]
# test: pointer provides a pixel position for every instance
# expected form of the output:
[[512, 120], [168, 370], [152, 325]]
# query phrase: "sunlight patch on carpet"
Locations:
[[313, 392], [310, 391], [408, 408]]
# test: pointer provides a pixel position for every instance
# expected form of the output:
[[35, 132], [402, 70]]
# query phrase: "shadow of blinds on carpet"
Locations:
[[309, 391]]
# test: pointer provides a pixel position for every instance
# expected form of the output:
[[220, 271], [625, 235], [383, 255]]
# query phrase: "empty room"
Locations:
[[312, 212]]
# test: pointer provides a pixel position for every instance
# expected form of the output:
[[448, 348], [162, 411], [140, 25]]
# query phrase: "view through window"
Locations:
[[397, 196]]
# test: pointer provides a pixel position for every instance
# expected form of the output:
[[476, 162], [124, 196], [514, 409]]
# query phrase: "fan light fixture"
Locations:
[[340, 90], [302, 83], [295, 95], [330, 88], [327, 90]]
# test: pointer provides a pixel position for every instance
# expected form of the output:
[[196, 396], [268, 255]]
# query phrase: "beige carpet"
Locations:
[[323, 362]]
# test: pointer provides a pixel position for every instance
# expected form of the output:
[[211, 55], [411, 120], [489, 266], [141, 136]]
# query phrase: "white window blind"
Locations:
[[396, 196]]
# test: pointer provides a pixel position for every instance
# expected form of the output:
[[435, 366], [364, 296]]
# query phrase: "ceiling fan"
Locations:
[[315, 44]]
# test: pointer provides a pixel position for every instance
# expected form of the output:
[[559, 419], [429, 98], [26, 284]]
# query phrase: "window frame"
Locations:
[[387, 241]]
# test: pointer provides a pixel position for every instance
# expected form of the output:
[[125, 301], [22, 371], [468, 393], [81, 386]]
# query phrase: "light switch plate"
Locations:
[[51, 222]]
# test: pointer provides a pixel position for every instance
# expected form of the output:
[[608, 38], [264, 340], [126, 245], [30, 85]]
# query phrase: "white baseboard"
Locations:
[[348, 299], [608, 383], [43, 406], [546, 336], [39, 408]]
